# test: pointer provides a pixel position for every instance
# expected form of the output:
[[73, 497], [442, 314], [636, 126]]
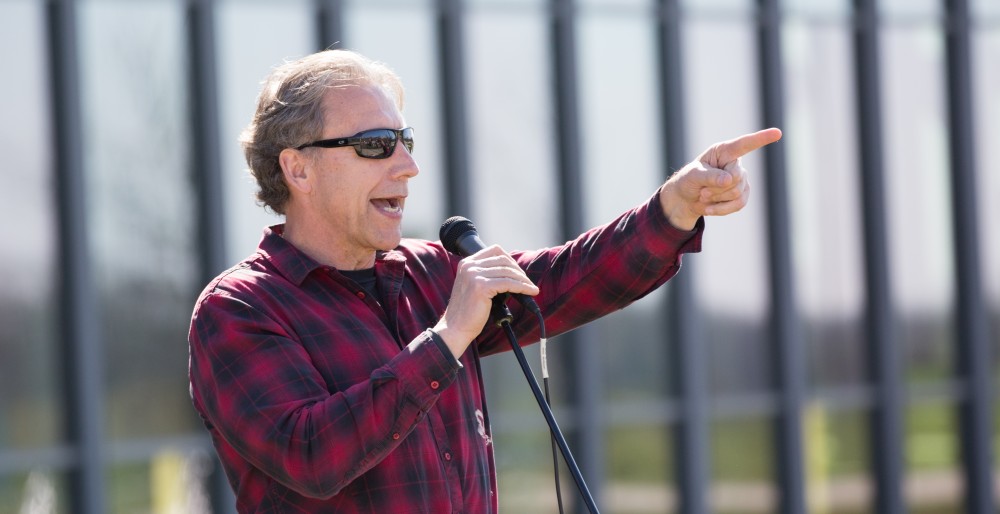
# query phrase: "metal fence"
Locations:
[[86, 454]]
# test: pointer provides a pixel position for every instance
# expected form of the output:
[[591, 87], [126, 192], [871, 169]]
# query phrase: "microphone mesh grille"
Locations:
[[452, 229]]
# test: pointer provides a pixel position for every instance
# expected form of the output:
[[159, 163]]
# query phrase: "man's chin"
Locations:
[[390, 243]]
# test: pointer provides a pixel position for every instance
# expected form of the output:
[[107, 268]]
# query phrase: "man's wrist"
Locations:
[[443, 347], [452, 340], [675, 209]]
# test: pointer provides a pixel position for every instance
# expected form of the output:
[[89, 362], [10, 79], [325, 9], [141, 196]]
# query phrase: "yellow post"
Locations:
[[167, 482], [817, 457]]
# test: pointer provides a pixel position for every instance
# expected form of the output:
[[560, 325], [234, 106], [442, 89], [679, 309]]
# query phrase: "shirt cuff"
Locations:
[[443, 347], [426, 368], [672, 239]]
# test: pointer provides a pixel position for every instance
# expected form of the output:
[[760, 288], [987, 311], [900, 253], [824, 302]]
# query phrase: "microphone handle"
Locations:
[[470, 244]]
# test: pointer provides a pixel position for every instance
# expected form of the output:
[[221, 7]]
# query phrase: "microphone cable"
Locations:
[[548, 398], [458, 235]]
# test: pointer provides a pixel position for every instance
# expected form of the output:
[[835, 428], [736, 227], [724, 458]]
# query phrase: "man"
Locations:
[[338, 368]]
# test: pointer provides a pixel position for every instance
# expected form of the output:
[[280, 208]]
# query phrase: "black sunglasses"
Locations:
[[370, 144]]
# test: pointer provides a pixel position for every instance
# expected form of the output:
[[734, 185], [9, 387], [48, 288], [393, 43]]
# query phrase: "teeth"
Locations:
[[391, 205]]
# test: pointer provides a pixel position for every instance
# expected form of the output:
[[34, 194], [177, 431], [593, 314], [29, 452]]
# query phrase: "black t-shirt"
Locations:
[[366, 279]]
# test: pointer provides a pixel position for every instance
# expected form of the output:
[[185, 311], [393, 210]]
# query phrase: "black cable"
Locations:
[[503, 318], [548, 399]]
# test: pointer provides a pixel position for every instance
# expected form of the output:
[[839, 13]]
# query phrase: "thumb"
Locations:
[[722, 154]]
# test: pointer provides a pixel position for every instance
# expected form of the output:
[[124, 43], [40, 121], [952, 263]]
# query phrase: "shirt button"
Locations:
[[395, 436], [435, 384], [447, 456], [361, 294]]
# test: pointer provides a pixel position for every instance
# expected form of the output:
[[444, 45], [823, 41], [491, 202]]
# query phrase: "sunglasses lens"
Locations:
[[408, 139], [376, 143]]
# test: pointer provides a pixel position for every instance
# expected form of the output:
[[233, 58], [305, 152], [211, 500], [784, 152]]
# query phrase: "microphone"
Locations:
[[459, 236]]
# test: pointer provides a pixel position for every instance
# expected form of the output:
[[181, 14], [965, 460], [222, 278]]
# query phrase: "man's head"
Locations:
[[290, 111]]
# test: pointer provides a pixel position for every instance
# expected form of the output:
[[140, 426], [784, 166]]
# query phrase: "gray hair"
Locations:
[[290, 113]]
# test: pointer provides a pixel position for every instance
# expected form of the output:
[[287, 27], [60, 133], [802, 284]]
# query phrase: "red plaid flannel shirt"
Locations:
[[320, 399]]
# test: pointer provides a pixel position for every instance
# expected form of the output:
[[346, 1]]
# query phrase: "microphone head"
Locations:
[[453, 229]]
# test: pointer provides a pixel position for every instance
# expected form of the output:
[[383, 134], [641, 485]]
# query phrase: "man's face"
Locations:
[[360, 201]]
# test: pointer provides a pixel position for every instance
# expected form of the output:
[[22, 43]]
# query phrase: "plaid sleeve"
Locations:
[[602, 270], [254, 383]]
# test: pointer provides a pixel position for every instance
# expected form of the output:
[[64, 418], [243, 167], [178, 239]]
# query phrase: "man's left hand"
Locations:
[[714, 184]]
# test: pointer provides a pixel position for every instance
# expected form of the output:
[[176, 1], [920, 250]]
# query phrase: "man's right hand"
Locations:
[[481, 276]]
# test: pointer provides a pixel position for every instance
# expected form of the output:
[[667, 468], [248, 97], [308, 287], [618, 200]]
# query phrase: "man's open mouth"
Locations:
[[392, 205]]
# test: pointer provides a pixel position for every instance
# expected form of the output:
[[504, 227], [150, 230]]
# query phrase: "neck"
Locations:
[[322, 247]]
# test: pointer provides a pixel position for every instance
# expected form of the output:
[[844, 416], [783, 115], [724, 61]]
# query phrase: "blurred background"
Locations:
[[832, 350]]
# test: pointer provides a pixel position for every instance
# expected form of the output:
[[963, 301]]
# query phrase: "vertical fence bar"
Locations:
[[329, 24], [567, 115], [974, 360], [79, 298], [887, 418], [785, 329], [690, 441], [586, 371], [205, 141], [455, 143], [206, 172]]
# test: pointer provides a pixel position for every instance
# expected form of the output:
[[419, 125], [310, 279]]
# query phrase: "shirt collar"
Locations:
[[294, 264], [289, 260]]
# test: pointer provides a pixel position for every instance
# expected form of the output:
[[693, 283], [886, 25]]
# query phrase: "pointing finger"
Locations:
[[722, 154]]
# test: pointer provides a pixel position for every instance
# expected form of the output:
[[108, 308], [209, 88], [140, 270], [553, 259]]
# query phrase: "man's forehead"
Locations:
[[348, 95], [358, 106]]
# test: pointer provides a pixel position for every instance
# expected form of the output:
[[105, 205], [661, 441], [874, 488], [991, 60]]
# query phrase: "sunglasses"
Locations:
[[370, 144]]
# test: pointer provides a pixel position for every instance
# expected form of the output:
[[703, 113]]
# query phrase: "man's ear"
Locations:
[[294, 166]]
